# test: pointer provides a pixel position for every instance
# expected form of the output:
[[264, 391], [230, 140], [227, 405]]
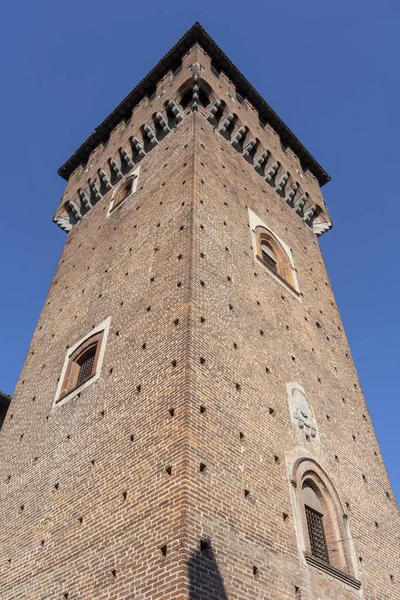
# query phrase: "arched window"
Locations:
[[315, 522], [268, 255], [125, 190], [82, 363], [322, 524], [274, 256]]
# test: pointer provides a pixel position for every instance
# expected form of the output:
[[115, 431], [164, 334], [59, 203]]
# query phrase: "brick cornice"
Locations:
[[196, 34]]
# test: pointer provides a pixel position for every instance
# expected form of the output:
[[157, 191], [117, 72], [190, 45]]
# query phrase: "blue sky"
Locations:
[[331, 72]]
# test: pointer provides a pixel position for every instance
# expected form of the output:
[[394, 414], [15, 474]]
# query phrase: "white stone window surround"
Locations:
[[292, 460], [135, 174], [102, 328], [255, 222]]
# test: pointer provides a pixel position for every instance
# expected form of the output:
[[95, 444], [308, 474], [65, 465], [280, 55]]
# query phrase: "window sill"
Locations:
[[319, 564], [279, 277], [76, 389], [115, 207]]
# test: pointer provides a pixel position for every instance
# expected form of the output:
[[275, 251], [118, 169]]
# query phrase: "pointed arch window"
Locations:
[[268, 255], [324, 534], [275, 257], [126, 188], [315, 523]]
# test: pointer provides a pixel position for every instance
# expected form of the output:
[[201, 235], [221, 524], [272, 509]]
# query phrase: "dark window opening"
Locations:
[[268, 257], [86, 364], [316, 534]]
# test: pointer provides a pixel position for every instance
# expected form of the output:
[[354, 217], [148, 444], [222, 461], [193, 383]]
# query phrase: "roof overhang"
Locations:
[[170, 62]]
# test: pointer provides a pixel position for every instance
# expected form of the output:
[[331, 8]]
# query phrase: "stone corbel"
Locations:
[[63, 223], [175, 111], [260, 161], [150, 134], [271, 172], [248, 148], [94, 188], [116, 169], [226, 122], [309, 214], [280, 184], [127, 159], [213, 110], [291, 193], [237, 137], [105, 179], [195, 96], [85, 200], [162, 121], [320, 227], [299, 204], [74, 208], [138, 147]]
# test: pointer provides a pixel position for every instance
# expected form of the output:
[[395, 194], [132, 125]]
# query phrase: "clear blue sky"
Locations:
[[330, 70]]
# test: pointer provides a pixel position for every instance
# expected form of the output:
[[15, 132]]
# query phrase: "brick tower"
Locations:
[[188, 423]]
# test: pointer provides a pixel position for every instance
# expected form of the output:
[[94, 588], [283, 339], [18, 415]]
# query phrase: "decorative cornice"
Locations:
[[196, 34], [228, 125], [313, 561]]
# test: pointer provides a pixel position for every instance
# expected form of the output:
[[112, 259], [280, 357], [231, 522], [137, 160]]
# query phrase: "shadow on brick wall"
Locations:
[[205, 579]]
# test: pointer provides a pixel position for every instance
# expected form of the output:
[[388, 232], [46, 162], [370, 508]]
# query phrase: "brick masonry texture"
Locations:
[[86, 502]]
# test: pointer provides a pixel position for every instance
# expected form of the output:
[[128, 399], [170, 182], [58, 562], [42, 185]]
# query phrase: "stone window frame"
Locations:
[[285, 273], [115, 202], [342, 559], [67, 387]]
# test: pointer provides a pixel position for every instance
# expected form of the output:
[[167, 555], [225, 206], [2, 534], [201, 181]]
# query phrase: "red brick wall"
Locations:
[[187, 223]]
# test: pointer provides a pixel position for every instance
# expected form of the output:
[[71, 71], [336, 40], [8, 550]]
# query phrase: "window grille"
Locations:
[[316, 534], [124, 191], [268, 260], [86, 364]]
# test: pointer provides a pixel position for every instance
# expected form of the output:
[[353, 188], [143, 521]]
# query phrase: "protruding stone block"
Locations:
[[63, 223], [238, 136], [105, 179], [127, 159], [226, 122], [213, 110], [280, 183], [163, 122], [271, 172], [149, 132], [138, 147], [195, 97], [309, 214], [291, 193], [248, 148], [299, 203], [115, 168], [74, 208], [85, 200], [94, 188], [260, 161], [176, 111]]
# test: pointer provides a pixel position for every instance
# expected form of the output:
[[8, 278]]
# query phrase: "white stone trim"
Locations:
[[103, 327], [255, 222], [135, 174], [311, 422]]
